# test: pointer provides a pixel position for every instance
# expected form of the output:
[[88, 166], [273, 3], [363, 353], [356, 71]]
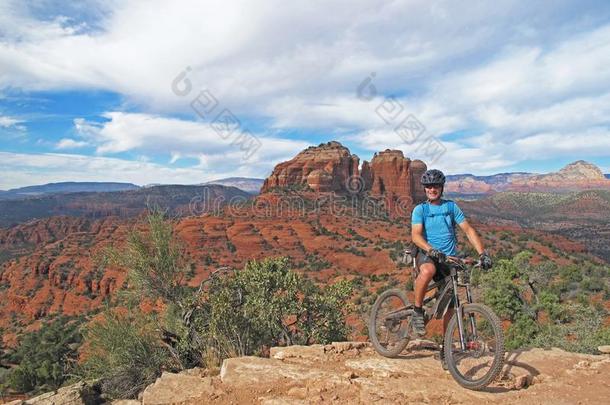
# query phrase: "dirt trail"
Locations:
[[351, 372]]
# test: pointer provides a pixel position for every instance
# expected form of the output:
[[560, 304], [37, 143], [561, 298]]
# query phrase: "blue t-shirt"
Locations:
[[439, 230]]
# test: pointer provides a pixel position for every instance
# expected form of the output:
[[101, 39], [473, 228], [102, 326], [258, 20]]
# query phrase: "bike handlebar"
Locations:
[[456, 260], [468, 261]]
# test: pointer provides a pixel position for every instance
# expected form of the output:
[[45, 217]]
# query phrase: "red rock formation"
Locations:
[[418, 168], [393, 174], [60, 274], [366, 175], [326, 167]]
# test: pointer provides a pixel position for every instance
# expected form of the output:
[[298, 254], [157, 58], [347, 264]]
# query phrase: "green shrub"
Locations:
[[45, 357], [521, 333], [584, 333], [551, 304], [125, 352], [519, 291], [157, 270], [267, 304], [353, 250], [155, 261], [503, 296]]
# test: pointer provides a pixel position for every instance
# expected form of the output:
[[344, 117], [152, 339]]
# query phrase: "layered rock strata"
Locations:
[[330, 167]]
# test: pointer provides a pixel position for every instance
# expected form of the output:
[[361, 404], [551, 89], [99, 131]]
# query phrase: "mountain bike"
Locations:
[[473, 343]]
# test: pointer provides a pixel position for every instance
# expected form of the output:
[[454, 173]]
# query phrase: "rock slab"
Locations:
[[173, 388], [81, 393]]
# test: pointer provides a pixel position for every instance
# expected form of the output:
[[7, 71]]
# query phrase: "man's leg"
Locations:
[[426, 272]]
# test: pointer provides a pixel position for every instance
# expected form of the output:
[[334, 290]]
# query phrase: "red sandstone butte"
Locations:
[[393, 174], [326, 167], [330, 166]]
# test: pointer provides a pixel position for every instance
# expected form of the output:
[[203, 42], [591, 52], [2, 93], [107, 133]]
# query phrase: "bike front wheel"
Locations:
[[389, 323], [480, 361]]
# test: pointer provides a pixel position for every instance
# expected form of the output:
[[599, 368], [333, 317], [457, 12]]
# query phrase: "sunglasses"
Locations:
[[433, 186]]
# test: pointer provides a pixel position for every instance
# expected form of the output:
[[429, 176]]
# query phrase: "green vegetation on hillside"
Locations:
[[549, 305], [542, 203], [45, 358], [232, 313]]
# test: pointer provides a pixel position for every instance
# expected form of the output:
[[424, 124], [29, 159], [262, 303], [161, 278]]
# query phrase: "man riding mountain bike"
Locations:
[[433, 232]]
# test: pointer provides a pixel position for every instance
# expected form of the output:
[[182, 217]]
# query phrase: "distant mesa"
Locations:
[[247, 184], [179, 200], [331, 167], [576, 176], [65, 187]]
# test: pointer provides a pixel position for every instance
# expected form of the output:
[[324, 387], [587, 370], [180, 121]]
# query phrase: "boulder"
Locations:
[[604, 349], [341, 347], [173, 388], [257, 372], [281, 353], [81, 393], [422, 344], [523, 381]]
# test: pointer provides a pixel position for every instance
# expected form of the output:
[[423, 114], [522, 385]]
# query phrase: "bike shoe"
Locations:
[[417, 323]]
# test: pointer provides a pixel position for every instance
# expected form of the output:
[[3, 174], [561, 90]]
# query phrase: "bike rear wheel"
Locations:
[[476, 366], [389, 323]]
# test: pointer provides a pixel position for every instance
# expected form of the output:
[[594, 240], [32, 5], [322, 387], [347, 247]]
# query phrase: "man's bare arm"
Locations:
[[417, 236], [473, 236]]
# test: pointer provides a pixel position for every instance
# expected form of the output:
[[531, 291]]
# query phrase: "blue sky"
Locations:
[[90, 91]]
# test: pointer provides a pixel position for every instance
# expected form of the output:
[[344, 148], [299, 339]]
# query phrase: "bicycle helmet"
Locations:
[[433, 177]]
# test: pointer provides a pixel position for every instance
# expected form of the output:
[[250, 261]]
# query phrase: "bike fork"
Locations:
[[458, 313], [473, 325]]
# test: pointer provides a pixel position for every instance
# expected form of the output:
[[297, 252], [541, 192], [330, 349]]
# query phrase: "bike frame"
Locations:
[[444, 297], [391, 331]]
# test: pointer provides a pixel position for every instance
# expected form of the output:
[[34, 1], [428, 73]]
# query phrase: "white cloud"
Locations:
[[451, 157], [11, 122], [522, 77], [7, 121], [67, 143], [244, 50], [150, 134], [20, 169], [529, 104]]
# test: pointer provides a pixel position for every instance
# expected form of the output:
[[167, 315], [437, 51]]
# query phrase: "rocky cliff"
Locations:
[[330, 167], [326, 167], [352, 373], [394, 174]]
